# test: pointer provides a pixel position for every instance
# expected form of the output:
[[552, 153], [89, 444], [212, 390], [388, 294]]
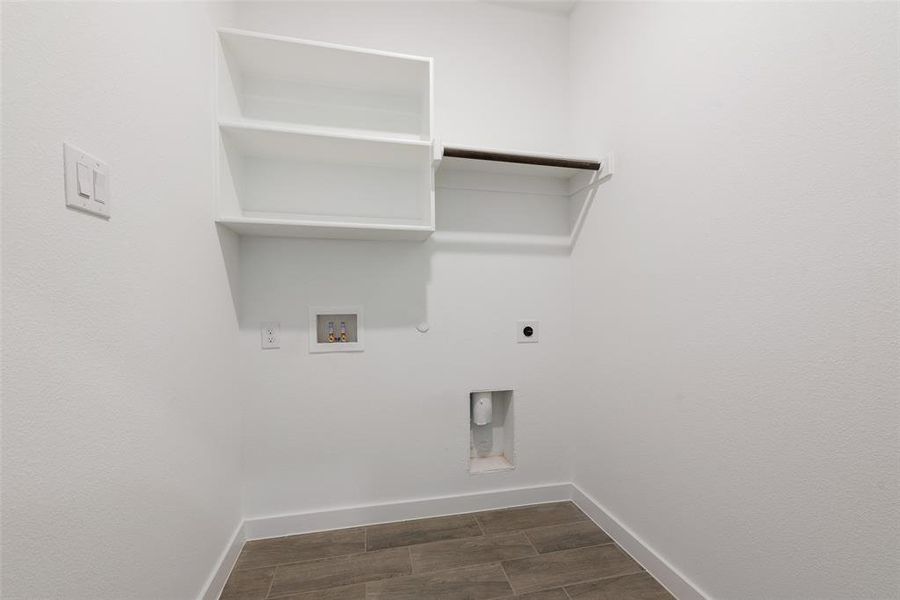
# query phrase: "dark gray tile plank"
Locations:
[[469, 583], [248, 585], [640, 586], [557, 594], [452, 554], [420, 531], [528, 517], [565, 537], [350, 592], [297, 548], [568, 567], [341, 571]]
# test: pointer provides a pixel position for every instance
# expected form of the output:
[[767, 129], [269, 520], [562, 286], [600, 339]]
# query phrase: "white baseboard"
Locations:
[[213, 588], [356, 516], [671, 578]]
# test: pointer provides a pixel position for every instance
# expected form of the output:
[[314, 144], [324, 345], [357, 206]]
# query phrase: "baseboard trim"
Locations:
[[213, 588], [356, 516], [671, 578]]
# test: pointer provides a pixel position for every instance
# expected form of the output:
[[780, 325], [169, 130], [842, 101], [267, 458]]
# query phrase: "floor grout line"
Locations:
[[583, 581], [508, 580], [560, 551], [311, 560], [271, 582], [480, 526], [530, 543]]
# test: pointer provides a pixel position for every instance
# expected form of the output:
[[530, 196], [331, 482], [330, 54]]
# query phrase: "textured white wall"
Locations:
[[392, 423], [737, 280], [121, 458]]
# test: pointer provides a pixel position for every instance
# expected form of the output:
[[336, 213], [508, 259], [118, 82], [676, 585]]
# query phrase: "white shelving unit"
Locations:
[[561, 188], [326, 141]]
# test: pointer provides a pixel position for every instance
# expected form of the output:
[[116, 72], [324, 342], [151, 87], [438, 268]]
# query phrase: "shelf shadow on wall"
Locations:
[[230, 245], [279, 278], [487, 221], [282, 277]]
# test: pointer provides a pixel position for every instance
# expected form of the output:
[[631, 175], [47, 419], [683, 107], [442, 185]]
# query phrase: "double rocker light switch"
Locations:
[[87, 182]]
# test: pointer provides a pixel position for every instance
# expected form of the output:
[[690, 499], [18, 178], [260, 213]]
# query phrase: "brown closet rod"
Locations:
[[523, 159]]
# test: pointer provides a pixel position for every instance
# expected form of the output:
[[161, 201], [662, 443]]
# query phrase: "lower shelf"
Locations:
[[325, 230]]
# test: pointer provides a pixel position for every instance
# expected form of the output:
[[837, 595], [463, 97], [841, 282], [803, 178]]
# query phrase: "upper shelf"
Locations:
[[315, 84], [326, 141]]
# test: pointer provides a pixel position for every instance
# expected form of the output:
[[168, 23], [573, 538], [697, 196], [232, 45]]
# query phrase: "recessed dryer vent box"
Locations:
[[336, 329]]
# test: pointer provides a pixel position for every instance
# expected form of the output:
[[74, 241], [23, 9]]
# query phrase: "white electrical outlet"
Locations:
[[271, 335]]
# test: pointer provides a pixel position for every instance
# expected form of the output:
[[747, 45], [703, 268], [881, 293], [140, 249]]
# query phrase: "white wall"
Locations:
[[121, 458], [737, 279], [324, 431], [735, 290]]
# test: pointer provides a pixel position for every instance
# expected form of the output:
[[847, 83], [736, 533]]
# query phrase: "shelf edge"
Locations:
[[250, 125], [301, 41], [522, 158]]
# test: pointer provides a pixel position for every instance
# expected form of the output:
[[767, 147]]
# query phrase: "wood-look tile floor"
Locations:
[[540, 552]]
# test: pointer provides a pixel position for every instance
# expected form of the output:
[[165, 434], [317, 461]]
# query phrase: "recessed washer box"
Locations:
[[336, 329], [492, 446]]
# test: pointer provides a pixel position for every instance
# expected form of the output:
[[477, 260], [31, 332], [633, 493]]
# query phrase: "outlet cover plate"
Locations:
[[522, 332], [270, 335]]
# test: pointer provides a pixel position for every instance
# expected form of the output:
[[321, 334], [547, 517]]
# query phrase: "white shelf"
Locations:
[[326, 141], [293, 182], [304, 82], [288, 227], [267, 139], [498, 203]]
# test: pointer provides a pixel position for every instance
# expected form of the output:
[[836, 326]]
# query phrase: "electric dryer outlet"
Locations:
[[527, 332]]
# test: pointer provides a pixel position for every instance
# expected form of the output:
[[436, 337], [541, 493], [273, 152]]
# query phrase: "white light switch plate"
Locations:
[[92, 195]]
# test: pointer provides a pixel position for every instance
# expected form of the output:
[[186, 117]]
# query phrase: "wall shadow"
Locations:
[[283, 277]]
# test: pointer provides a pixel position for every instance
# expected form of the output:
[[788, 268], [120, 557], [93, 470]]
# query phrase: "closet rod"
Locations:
[[523, 159]]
